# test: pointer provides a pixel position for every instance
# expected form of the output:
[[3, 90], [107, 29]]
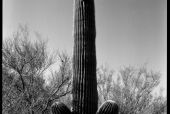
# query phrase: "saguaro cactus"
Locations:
[[108, 107], [85, 97], [60, 108]]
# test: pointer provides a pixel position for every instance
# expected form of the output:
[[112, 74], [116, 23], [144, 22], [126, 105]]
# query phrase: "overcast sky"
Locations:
[[129, 32]]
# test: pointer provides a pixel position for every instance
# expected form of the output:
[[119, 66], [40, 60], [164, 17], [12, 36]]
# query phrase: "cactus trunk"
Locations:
[[85, 97]]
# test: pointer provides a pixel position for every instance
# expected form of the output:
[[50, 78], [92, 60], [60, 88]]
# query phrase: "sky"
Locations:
[[128, 32]]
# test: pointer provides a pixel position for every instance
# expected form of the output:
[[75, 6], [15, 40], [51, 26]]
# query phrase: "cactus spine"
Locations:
[[85, 97], [60, 108], [108, 107]]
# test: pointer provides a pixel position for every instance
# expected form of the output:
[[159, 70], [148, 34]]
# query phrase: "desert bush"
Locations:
[[24, 64], [131, 89]]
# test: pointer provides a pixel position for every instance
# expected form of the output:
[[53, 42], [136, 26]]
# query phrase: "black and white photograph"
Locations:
[[84, 57]]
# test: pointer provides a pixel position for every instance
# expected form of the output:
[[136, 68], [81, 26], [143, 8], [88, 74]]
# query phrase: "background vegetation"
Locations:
[[25, 90]]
